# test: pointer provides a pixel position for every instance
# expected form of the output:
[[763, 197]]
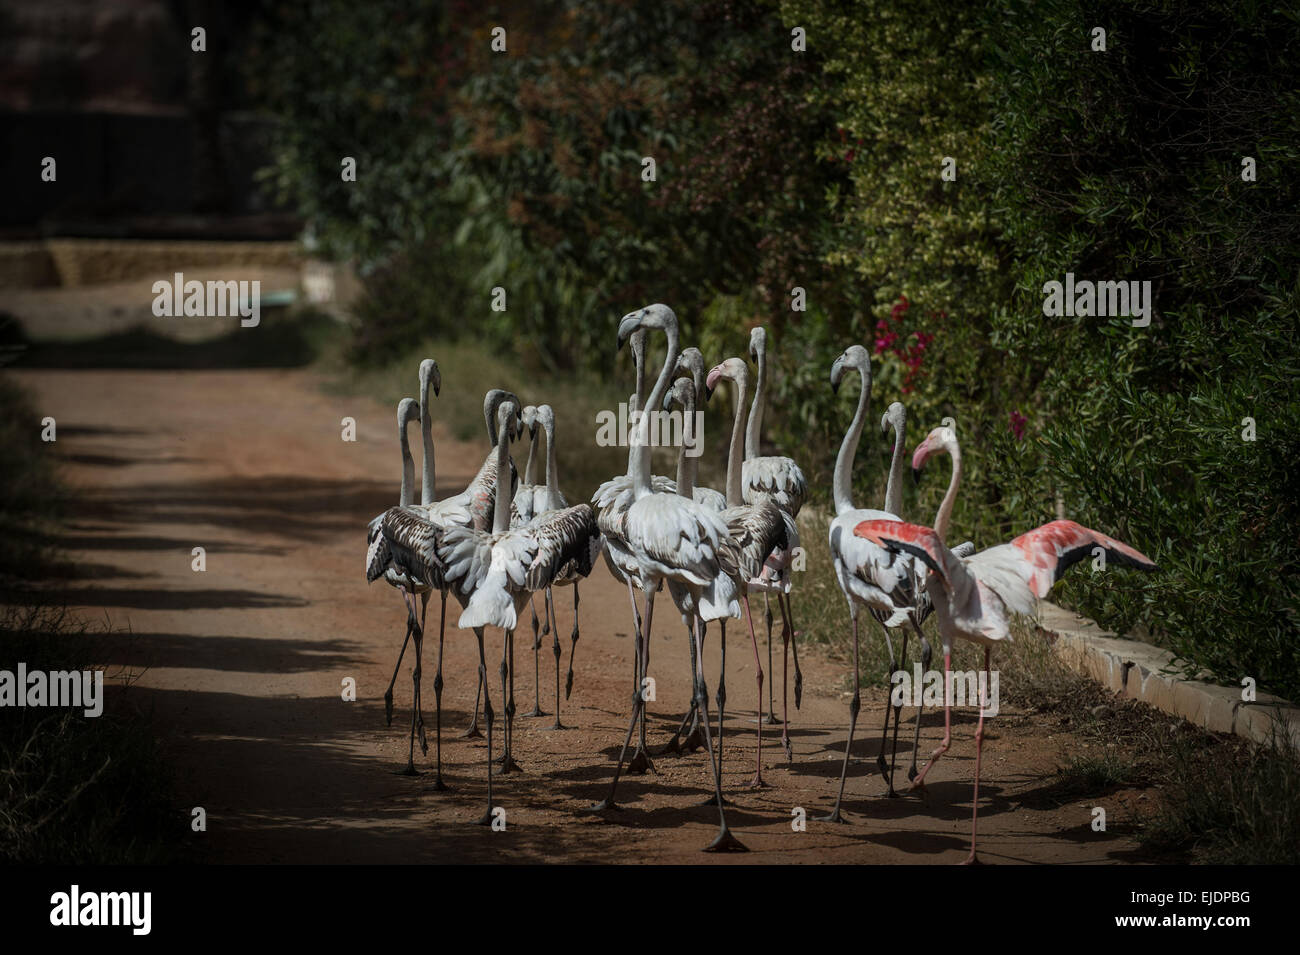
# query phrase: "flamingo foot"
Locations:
[[605, 805], [694, 740], [557, 725], [726, 842], [832, 816], [535, 711], [758, 782], [640, 763], [789, 751], [439, 786], [507, 767], [472, 733], [410, 770]]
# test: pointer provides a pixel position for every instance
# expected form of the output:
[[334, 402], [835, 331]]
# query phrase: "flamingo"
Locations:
[[611, 501], [552, 499], [975, 598], [765, 535], [727, 586], [497, 569], [524, 508], [666, 538], [455, 511], [377, 556], [870, 576], [691, 362], [782, 480]]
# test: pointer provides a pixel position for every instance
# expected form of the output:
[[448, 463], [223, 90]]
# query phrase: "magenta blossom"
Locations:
[[1018, 422]]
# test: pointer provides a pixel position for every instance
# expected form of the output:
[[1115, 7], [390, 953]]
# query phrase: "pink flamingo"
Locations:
[[975, 598]]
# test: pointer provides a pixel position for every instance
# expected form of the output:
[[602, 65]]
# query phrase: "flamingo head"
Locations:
[[430, 377], [733, 369], [757, 342], [855, 356], [546, 420], [408, 410], [530, 420], [509, 419], [691, 362], [942, 440], [681, 393], [652, 316], [895, 415]]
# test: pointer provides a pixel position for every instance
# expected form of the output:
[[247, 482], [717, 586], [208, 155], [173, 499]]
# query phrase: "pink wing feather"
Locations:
[[1051, 549]]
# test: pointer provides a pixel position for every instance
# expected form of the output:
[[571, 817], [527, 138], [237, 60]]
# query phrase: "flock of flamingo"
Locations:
[[502, 540]]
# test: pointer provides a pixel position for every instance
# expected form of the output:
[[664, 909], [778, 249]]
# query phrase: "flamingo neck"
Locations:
[[408, 469], [735, 454], [842, 482], [894, 489], [501, 511], [640, 453], [686, 464], [427, 487], [552, 470], [530, 469], [754, 429], [944, 517]]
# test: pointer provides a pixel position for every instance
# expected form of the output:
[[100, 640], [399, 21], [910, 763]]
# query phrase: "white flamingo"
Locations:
[[765, 535], [975, 597], [782, 480], [666, 538], [497, 569], [888, 584], [377, 557], [552, 499]]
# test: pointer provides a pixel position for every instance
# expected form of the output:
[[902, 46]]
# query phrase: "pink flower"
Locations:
[[1018, 422]]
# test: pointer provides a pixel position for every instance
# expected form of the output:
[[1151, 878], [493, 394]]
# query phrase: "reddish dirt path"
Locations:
[[245, 663]]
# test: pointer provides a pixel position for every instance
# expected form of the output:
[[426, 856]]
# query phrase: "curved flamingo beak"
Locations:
[[918, 460], [711, 382]]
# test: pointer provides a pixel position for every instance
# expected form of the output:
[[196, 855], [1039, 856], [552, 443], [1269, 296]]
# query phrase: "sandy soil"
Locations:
[[244, 665]]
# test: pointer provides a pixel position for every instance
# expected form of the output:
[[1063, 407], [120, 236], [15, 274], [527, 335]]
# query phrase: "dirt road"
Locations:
[[246, 660]]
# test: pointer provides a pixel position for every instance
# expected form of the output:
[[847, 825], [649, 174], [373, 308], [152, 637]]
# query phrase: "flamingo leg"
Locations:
[[674, 745], [855, 705], [537, 647], [417, 632], [926, 654], [794, 652], [486, 819], [725, 841], [893, 756], [555, 648], [637, 705], [474, 732], [894, 709], [787, 644], [438, 784], [770, 718], [640, 762], [757, 782], [947, 721], [508, 764], [884, 732], [388, 694], [979, 746], [419, 670], [573, 648]]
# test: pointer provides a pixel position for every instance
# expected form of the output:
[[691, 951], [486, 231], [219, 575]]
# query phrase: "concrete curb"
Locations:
[[1139, 671]]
